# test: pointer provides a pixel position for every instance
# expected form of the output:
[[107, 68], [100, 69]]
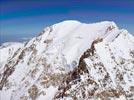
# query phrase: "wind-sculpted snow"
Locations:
[[70, 60]]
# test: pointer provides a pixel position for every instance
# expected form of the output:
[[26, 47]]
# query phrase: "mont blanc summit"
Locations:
[[70, 60]]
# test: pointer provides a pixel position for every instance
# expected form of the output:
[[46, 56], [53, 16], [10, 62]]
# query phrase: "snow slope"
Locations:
[[7, 50], [107, 73], [40, 65]]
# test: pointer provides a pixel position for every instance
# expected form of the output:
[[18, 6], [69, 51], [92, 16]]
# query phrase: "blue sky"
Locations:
[[26, 18]]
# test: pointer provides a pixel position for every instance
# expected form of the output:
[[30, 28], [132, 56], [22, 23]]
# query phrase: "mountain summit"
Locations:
[[70, 60]]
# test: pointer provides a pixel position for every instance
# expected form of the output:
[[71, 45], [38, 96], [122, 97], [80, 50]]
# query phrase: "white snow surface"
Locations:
[[76, 37], [7, 50]]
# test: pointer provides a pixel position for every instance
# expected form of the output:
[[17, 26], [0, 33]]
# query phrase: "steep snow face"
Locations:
[[44, 62], [7, 50], [109, 71], [72, 37], [68, 40], [75, 37]]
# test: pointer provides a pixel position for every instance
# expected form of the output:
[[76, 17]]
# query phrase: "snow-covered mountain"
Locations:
[[7, 51], [70, 60]]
